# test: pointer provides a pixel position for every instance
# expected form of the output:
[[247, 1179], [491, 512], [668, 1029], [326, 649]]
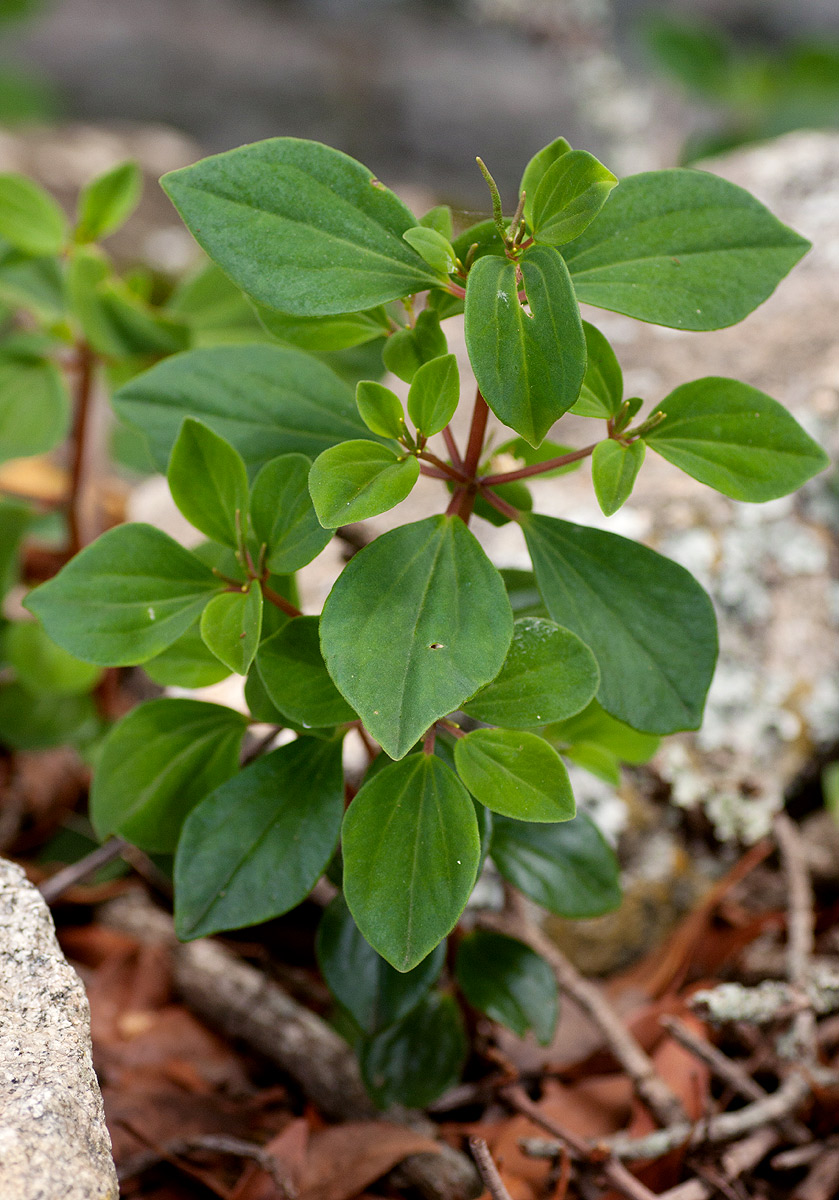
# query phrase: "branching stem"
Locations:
[[86, 369], [279, 601], [550, 464]]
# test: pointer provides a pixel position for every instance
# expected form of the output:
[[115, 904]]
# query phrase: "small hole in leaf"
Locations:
[[436, 646]]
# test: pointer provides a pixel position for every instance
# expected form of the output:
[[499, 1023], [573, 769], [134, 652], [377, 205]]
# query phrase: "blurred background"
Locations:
[[417, 88]]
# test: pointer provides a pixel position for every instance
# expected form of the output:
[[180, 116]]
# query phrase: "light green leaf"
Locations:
[[380, 409], [125, 597], [209, 483], [649, 623], [439, 218], [359, 479], [264, 400], [295, 677], [599, 742], [230, 626], [614, 469], [406, 350], [300, 226], [432, 247], [570, 195], [216, 311], [41, 666], [411, 850], [34, 407], [529, 367], [548, 675], [434, 394], [283, 516], [682, 248], [602, 391], [34, 284], [536, 170], [187, 663], [569, 869], [30, 220], [510, 773], [108, 201], [735, 439], [157, 763], [325, 333], [508, 982], [417, 622], [256, 846], [15, 519]]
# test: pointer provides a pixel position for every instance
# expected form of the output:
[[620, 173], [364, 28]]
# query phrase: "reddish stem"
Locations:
[[429, 739], [280, 601], [433, 473], [85, 365], [477, 431], [550, 464], [451, 446], [450, 471], [502, 506]]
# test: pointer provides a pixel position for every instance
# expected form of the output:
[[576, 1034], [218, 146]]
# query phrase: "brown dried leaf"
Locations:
[[344, 1159]]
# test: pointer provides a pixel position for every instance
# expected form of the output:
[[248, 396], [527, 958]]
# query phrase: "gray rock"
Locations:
[[53, 1140]]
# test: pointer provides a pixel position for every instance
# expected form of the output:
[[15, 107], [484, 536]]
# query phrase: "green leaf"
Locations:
[[548, 675], [415, 1061], [230, 626], [684, 249], [434, 394], [599, 743], [30, 220], [735, 439], [508, 982], [359, 479], [15, 519], [41, 666], [108, 201], [602, 391], [416, 623], [484, 236], [529, 367], [649, 623], [283, 516], [34, 407], [157, 763], [432, 247], [406, 350], [411, 851], [300, 226], [37, 722], [536, 170], [511, 773], [208, 482], [614, 469], [217, 312], [256, 846], [439, 218], [124, 598], [380, 409], [374, 994], [570, 195], [295, 677], [569, 869], [325, 333], [523, 593], [34, 284], [187, 663], [264, 400]]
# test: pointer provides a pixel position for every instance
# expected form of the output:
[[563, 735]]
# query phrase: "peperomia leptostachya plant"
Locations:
[[468, 686]]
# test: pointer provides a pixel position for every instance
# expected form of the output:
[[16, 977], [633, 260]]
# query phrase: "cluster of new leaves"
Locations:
[[469, 686]]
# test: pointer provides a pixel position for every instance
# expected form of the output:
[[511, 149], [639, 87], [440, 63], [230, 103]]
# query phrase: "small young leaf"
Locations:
[[411, 849], [614, 469], [209, 483], [416, 1060], [649, 623], [34, 407], [294, 675], [108, 201], [439, 218], [187, 663], [735, 439], [283, 516], [361, 980], [359, 479], [510, 773], [602, 390], [570, 195], [157, 763], [255, 847], [325, 333], [434, 393], [432, 247], [406, 350], [548, 675], [536, 170], [380, 409], [41, 666], [125, 597], [230, 626], [30, 220], [400, 641], [529, 367], [508, 982], [569, 869]]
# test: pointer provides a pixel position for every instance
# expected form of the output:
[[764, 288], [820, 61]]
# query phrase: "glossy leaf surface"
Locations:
[[504, 979], [380, 409], [230, 626], [516, 774], [434, 393], [614, 469], [359, 479], [416, 1060], [295, 677], [208, 482], [570, 195], [283, 516], [536, 169]]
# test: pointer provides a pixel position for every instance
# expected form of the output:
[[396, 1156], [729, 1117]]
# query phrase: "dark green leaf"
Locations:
[[208, 482], [536, 170], [416, 623], [283, 516], [359, 479], [529, 366], [406, 350], [41, 666], [30, 220], [509, 772], [598, 742], [300, 226], [187, 663], [614, 469], [570, 195], [157, 763], [649, 623], [411, 851], [569, 869], [255, 847], [230, 626], [31, 722], [415, 1061], [736, 439], [294, 674], [34, 407], [108, 201], [602, 390], [325, 333], [124, 598], [380, 409], [509, 983], [434, 393], [684, 249]]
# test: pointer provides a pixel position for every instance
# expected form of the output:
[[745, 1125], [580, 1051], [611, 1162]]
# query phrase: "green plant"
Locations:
[[466, 685]]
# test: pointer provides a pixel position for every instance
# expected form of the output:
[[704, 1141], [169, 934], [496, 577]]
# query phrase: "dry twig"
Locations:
[[487, 1169], [800, 929], [59, 883]]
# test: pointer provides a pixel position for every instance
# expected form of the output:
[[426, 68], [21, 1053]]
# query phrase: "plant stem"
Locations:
[[281, 603], [433, 473], [477, 431], [550, 464], [450, 471], [500, 505], [451, 446], [85, 365]]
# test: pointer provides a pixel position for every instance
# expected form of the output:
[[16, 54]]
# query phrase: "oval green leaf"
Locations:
[[406, 350], [283, 516], [108, 201], [34, 407], [510, 773], [570, 195], [434, 394], [359, 479], [602, 390], [231, 625], [209, 483], [43, 667], [415, 1061], [295, 677], [30, 220], [536, 170], [508, 982], [614, 469], [380, 409]]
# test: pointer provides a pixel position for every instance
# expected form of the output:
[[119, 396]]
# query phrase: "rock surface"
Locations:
[[53, 1140]]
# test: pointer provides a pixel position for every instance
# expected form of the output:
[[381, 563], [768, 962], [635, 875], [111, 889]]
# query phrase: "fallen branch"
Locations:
[[487, 1169], [800, 929], [59, 883], [735, 1162]]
